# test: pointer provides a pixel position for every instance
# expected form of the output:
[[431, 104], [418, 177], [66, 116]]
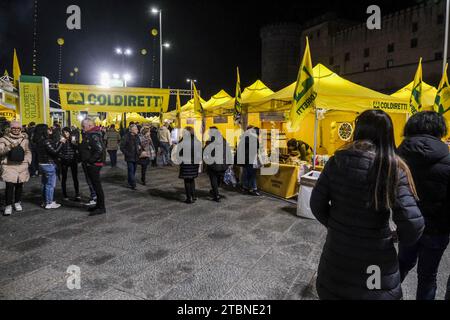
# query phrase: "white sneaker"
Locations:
[[8, 211], [91, 203], [18, 207], [52, 206]]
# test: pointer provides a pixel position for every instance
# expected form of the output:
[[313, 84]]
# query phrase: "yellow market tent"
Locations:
[[428, 95], [342, 100], [333, 93], [218, 99], [186, 111], [220, 115], [251, 94]]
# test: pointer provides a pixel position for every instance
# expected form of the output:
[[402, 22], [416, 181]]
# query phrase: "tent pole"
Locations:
[[316, 126], [447, 22]]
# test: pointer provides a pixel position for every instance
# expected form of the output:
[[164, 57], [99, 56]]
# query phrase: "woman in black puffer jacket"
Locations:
[[188, 154], [69, 160], [353, 198], [429, 160], [217, 166]]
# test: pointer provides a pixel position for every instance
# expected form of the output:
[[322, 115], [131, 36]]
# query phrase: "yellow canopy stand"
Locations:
[[219, 112], [428, 95], [333, 94]]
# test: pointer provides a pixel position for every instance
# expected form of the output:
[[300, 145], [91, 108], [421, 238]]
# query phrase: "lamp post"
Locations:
[[61, 43], [191, 82], [161, 46]]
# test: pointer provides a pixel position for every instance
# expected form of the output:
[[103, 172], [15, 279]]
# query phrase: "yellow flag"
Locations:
[[16, 68], [198, 108], [178, 109], [415, 102], [6, 74], [238, 100], [442, 102], [304, 95], [178, 103]]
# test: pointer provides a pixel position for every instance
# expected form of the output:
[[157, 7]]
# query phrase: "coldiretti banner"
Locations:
[[34, 100], [100, 99]]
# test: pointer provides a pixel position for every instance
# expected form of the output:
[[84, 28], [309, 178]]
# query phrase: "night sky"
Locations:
[[209, 38]]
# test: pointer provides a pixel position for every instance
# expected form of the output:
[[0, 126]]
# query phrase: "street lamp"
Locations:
[[162, 45], [192, 81]]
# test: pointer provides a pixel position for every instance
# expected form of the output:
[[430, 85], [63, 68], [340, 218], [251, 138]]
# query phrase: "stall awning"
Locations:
[[428, 95], [218, 99], [333, 93], [250, 95]]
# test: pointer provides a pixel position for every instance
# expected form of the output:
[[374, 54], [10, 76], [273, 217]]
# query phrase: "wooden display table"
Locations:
[[284, 184]]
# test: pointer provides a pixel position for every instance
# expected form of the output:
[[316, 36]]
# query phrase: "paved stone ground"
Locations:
[[153, 246]]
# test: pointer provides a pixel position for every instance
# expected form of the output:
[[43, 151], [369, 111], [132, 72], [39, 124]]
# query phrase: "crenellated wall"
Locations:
[[366, 56]]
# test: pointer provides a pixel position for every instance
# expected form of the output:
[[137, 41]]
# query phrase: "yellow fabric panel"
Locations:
[[255, 92], [218, 99], [428, 95], [333, 93]]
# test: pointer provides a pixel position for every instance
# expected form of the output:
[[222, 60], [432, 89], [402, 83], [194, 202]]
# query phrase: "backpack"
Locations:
[[16, 154]]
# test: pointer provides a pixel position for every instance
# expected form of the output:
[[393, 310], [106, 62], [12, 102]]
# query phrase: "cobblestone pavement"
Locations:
[[151, 245]]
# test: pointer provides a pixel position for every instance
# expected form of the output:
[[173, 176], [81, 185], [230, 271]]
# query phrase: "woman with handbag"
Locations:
[[147, 152], [15, 157]]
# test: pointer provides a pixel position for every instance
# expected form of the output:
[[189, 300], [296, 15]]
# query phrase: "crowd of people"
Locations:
[[51, 152], [365, 186]]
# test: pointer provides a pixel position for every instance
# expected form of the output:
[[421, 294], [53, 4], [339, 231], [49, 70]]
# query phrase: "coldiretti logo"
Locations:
[[115, 100], [75, 98]]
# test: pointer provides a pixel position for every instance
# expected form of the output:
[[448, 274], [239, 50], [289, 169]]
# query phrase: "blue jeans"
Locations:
[[132, 166], [249, 178], [48, 172], [165, 150], [113, 157], [428, 251]]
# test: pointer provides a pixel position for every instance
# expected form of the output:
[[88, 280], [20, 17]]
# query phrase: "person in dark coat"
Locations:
[[155, 140], [217, 164], [69, 160], [188, 154], [129, 146], [354, 197], [93, 155], [429, 160], [247, 157]]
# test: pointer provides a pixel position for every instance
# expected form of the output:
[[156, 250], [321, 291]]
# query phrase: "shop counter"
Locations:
[[284, 184]]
